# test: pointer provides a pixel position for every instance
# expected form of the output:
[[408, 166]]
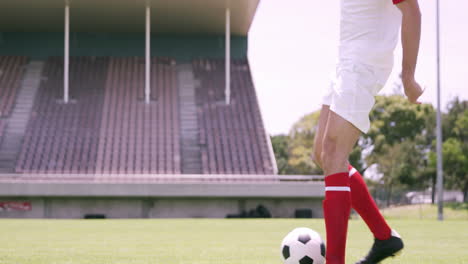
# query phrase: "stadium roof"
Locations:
[[167, 16]]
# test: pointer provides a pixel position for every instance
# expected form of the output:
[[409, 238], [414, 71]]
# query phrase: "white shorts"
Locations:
[[351, 93]]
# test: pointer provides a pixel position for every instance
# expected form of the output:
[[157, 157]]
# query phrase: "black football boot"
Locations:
[[383, 249]]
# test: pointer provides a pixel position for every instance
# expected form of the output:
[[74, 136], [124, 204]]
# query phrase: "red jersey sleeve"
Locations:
[[397, 1]]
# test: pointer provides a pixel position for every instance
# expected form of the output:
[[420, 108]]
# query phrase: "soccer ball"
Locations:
[[303, 246]]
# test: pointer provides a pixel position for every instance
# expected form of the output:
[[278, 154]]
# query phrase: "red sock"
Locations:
[[336, 209], [362, 202]]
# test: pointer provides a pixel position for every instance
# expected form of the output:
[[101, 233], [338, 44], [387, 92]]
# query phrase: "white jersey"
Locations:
[[369, 32]]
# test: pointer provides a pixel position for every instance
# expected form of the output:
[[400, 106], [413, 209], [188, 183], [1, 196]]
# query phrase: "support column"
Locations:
[[440, 171], [228, 56], [66, 56], [148, 56]]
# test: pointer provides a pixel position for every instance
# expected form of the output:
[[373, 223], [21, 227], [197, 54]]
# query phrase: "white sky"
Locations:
[[293, 50]]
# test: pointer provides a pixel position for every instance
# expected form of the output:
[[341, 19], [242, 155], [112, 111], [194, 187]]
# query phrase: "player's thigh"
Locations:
[[340, 136], [322, 124]]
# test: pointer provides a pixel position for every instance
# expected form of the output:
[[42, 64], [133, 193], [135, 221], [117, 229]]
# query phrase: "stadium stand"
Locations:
[[106, 151], [136, 137], [107, 128], [2, 127], [11, 70], [63, 138], [232, 136]]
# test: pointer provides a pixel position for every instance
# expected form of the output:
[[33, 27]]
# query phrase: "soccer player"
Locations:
[[368, 36]]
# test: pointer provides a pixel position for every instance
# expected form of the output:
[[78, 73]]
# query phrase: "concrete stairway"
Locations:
[[190, 148], [17, 122]]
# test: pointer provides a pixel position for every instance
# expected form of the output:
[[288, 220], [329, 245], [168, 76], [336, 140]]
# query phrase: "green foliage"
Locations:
[[280, 148], [400, 137], [395, 120], [293, 152], [455, 164], [456, 110], [301, 145], [461, 126], [458, 207], [355, 158], [455, 147]]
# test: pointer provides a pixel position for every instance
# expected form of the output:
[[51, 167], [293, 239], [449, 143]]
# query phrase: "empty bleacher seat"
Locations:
[[137, 137], [107, 127], [63, 138], [232, 137], [2, 127], [11, 72]]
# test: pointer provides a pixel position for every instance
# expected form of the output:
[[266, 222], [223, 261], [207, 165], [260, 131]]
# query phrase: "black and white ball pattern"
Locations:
[[303, 246]]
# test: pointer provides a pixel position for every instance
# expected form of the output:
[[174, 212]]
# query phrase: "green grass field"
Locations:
[[207, 241], [426, 211]]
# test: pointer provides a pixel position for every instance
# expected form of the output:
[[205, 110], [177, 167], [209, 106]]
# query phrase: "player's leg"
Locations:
[[365, 206], [339, 138], [387, 242], [351, 95], [361, 200], [322, 124]]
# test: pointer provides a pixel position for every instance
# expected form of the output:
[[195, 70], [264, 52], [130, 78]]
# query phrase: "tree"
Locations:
[[461, 175], [402, 166], [301, 145], [455, 165], [455, 147], [461, 126], [293, 151], [456, 108], [399, 142], [280, 148], [395, 120]]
